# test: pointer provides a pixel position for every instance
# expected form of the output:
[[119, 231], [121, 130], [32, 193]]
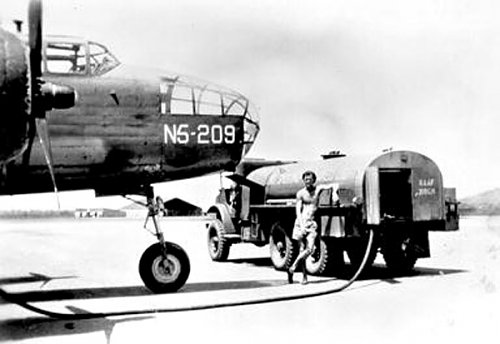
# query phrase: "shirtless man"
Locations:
[[305, 228]]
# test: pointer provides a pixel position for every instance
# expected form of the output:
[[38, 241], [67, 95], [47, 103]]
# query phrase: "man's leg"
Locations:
[[298, 236], [306, 249], [304, 272], [310, 239], [292, 268]]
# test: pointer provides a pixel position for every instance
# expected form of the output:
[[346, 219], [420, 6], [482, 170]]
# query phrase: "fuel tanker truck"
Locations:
[[399, 195]]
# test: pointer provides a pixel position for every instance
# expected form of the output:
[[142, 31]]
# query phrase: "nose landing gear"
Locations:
[[164, 267]]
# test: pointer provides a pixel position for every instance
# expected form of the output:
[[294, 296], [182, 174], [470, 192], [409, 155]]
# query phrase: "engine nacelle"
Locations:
[[57, 96], [13, 96]]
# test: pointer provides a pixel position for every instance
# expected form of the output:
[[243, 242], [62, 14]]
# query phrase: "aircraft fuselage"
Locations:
[[131, 128]]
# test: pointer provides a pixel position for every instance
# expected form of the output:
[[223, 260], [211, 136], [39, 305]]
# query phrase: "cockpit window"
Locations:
[[101, 60], [66, 58], [78, 58]]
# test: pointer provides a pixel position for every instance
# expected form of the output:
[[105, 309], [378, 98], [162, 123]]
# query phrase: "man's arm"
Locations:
[[298, 208], [333, 186]]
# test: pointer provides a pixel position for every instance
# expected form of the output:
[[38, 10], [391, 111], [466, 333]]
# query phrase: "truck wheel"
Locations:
[[356, 248], [218, 246], [398, 258], [320, 261], [282, 249], [164, 275]]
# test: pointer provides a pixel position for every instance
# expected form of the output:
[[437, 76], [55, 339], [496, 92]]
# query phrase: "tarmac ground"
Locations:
[[82, 266]]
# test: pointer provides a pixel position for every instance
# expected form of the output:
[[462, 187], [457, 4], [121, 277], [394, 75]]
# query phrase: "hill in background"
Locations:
[[484, 203]]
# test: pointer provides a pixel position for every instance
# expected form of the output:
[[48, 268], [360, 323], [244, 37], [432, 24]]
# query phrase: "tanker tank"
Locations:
[[398, 183], [283, 181]]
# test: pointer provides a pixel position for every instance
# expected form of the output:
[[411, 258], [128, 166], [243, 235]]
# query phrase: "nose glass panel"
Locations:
[[180, 95]]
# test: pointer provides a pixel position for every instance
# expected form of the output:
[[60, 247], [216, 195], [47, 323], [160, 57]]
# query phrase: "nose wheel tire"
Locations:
[[164, 273]]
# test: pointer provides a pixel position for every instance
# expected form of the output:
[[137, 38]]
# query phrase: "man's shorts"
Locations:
[[309, 230]]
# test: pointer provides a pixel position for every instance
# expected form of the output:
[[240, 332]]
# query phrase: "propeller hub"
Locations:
[[57, 96]]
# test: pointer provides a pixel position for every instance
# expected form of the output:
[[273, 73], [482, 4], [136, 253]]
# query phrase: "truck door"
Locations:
[[372, 196], [428, 202]]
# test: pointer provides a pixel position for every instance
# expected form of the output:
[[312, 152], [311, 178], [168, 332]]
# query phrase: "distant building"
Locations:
[[98, 212], [172, 207], [134, 210], [179, 207]]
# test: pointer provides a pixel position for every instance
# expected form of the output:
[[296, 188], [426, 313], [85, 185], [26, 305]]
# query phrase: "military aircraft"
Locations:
[[111, 128]]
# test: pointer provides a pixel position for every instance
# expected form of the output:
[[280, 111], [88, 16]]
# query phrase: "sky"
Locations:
[[356, 76]]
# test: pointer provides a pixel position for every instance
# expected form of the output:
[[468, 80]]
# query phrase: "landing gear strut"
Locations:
[[164, 267]]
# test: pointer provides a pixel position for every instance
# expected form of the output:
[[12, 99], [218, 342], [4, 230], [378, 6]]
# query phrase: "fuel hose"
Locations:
[[82, 316]]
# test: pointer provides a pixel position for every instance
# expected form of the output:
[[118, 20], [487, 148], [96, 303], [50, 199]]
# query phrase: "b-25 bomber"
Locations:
[[111, 128]]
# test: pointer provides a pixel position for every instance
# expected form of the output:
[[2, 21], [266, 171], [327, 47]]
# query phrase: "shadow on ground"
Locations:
[[381, 272], [260, 262], [38, 327], [20, 329], [111, 292], [346, 271], [376, 272]]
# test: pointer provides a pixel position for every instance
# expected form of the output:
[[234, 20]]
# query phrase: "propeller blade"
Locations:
[[31, 139], [44, 96], [35, 36], [43, 135], [35, 45]]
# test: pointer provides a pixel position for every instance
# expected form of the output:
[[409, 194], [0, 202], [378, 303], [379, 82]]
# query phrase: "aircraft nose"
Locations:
[[239, 105], [251, 128], [186, 96]]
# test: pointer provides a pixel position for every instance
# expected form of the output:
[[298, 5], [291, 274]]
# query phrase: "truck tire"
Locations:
[[398, 258], [164, 275], [218, 245], [322, 260], [282, 248]]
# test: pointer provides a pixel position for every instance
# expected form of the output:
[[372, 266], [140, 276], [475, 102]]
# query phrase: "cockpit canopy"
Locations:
[[70, 56]]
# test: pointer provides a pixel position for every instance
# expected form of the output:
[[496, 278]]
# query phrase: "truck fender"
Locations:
[[221, 212]]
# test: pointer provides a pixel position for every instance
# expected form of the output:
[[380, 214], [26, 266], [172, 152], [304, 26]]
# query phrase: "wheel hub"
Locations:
[[166, 270], [280, 247], [215, 244]]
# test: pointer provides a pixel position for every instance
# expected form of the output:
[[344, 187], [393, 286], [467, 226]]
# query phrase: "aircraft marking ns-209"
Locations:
[[111, 128]]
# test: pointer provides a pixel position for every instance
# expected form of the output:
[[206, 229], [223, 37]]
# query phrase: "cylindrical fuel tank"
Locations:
[[283, 181], [386, 182]]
